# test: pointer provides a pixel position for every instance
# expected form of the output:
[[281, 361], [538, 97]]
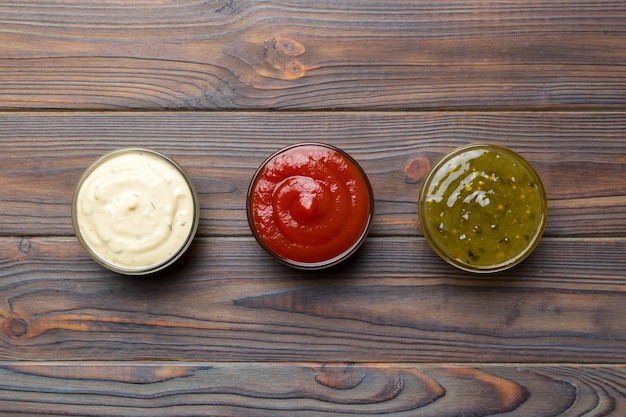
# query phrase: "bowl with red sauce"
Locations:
[[310, 205]]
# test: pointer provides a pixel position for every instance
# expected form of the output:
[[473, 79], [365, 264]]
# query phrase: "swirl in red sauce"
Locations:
[[310, 204]]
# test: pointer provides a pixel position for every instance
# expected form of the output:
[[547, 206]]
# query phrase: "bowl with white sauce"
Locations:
[[135, 211]]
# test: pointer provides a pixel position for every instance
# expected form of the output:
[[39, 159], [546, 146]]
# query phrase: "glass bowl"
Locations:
[[310, 205], [482, 208], [135, 211]]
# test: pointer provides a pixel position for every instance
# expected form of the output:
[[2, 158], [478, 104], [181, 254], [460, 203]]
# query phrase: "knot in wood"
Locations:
[[340, 377], [280, 52], [16, 327], [284, 44], [25, 245], [294, 70], [416, 169]]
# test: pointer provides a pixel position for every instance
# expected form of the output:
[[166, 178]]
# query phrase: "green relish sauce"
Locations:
[[482, 208]]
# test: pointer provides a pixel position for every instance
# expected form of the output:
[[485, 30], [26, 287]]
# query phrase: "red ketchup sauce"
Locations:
[[310, 205]]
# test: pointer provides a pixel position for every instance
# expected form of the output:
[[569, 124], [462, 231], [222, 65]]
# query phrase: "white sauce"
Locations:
[[135, 210]]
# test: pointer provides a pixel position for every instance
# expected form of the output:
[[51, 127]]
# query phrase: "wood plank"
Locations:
[[309, 389], [580, 156], [394, 301], [255, 54]]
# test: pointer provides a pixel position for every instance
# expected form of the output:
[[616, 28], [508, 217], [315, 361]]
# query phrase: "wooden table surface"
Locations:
[[219, 85]]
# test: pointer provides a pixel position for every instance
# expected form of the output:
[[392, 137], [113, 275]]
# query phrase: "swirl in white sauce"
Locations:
[[135, 210]]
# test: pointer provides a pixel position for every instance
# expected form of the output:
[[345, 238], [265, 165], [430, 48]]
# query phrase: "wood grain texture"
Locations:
[[394, 301], [309, 389], [394, 331], [256, 54], [580, 156]]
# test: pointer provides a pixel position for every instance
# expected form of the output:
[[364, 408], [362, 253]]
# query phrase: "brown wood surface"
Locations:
[[395, 302], [581, 157], [305, 389], [301, 54], [394, 331]]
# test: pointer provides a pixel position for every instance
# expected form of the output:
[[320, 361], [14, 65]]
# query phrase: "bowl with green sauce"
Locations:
[[482, 208]]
